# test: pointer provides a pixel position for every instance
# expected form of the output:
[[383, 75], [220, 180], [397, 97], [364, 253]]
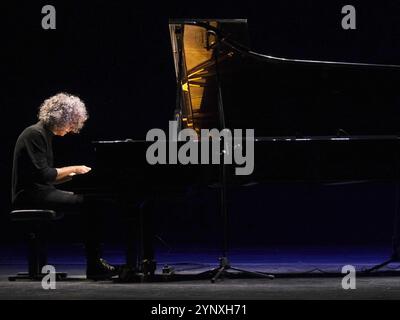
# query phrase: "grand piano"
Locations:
[[314, 121]]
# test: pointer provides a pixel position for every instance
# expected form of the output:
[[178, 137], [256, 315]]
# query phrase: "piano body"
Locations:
[[314, 121]]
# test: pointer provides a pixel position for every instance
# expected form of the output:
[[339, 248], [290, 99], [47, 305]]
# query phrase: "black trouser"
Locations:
[[88, 208]]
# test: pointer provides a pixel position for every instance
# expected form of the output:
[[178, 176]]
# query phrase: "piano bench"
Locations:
[[35, 222]]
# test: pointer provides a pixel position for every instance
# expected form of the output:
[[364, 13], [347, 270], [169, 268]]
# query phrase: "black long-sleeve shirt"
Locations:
[[33, 161]]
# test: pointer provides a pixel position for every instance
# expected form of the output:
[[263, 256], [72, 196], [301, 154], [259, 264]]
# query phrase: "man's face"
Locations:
[[62, 131]]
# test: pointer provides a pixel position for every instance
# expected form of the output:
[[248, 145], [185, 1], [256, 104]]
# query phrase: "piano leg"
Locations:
[[140, 262], [132, 252], [147, 265]]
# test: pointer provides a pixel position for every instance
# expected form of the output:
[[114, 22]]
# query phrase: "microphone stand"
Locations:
[[224, 263]]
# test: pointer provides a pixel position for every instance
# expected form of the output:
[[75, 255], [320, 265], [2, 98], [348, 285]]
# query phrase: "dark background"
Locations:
[[117, 57]]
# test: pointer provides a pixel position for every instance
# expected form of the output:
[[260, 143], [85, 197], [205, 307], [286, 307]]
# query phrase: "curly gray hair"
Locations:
[[63, 110]]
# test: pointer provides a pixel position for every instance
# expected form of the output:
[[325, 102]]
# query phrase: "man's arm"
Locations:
[[36, 148], [60, 181]]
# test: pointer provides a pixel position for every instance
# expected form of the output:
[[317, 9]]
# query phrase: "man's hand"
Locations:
[[66, 173], [81, 169]]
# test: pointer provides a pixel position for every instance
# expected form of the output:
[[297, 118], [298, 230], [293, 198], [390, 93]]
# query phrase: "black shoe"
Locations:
[[100, 270]]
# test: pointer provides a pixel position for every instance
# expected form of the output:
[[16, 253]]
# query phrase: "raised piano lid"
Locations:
[[194, 57], [277, 96]]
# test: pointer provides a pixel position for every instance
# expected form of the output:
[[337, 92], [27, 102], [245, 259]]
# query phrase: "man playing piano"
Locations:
[[34, 176]]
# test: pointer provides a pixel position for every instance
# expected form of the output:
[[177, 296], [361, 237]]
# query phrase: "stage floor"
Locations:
[[301, 273]]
